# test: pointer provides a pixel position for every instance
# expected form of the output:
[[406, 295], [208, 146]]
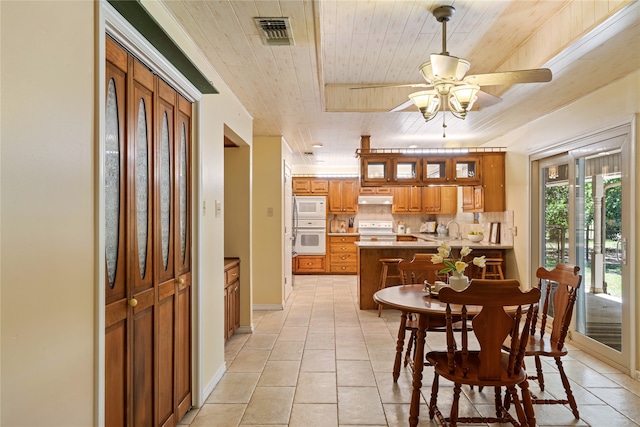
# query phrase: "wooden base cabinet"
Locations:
[[231, 296], [343, 254], [309, 264]]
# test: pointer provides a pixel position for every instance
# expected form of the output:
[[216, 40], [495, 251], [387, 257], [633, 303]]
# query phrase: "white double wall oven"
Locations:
[[310, 225]]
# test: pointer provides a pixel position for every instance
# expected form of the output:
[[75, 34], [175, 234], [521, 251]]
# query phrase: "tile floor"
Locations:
[[323, 362]]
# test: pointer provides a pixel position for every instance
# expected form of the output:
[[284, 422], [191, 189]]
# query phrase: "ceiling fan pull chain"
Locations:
[[444, 125]]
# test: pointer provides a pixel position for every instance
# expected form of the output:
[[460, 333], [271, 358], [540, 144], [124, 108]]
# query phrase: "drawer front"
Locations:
[[345, 258], [347, 248], [344, 268], [232, 274], [342, 239], [310, 264]]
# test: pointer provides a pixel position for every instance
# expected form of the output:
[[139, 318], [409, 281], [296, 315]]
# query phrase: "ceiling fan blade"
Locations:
[[486, 99], [538, 75], [404, 106], [420, 85]]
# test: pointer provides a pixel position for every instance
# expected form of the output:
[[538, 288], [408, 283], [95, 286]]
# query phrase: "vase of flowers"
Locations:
[[455, 266]]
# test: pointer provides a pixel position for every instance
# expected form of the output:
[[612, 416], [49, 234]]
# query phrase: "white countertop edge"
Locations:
[[434, 245]]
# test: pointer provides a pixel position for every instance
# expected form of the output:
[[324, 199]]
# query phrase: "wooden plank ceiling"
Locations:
[[292, 90]]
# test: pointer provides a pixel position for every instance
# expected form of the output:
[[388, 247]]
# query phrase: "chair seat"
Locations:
[[537, 346], [440, 363]]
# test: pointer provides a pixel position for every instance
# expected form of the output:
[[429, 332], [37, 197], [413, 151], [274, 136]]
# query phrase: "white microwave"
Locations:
[[310, 207]]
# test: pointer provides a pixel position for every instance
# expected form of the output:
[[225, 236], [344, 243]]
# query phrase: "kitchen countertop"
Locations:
[[343, 234], [432, 242]]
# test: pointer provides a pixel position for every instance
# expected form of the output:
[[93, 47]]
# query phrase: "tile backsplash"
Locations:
[[412, 221]]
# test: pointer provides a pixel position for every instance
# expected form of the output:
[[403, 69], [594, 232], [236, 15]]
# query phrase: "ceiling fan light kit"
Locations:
[[445, 74]]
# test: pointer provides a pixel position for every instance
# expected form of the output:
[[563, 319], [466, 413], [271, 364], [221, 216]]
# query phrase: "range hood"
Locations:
[[375, 200]]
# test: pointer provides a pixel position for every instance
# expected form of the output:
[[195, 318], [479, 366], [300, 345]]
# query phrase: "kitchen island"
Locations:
[[369, 254]]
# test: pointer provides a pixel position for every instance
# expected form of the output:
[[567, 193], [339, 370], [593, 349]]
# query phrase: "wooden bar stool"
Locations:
[[384, 275], [492, 269]]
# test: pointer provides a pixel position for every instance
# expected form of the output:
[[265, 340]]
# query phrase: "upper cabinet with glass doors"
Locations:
[[383, 168], [452, 170], [406, 170]]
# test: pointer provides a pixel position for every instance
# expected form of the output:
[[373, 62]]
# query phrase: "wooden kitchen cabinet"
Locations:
[[493, 182], [406, 238], [383, 191], [310, 186], [490, 196], [343, 196], [375, 170], [231, 296], [406, 170], [309, 264], [407, 200], [452, 170], [343, 254], [466, 170], [440, 200]]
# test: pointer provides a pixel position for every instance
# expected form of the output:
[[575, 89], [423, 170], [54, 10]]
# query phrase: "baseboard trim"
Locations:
[[214, 382], [268, 307], [245, 330]]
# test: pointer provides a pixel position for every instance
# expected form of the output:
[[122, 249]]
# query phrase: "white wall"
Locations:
[[47, 282], [49, 227], [267, 252]]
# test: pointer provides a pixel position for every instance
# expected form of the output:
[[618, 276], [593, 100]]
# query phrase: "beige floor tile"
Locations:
[[279, 373], [360, 405], [261, 341], [293, 333], [352, 351], [398, 392], [318, 361], [249, 361], [355, 373], [287, 350], [321, 361], [269, 405], [219, 415], [234, 387], [321, 342], [380, 340], [316, 387], [625, 402], [398, 415], [314, 415]]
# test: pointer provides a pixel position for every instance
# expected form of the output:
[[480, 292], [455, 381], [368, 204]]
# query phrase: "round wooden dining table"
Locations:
[[431, 315]]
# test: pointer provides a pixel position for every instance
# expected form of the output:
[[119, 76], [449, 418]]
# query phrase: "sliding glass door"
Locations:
[[585, 220]]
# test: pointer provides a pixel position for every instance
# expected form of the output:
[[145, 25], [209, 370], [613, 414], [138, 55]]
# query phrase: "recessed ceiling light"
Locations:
[[317, 145]]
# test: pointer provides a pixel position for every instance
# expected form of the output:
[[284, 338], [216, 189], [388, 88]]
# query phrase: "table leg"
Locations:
[[399, 346], [418, 366]]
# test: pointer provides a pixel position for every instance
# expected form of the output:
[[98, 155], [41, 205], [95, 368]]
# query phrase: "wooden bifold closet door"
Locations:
[[147, 246]]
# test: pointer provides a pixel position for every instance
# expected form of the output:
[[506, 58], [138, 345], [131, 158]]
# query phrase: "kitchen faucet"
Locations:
[[458, 234]]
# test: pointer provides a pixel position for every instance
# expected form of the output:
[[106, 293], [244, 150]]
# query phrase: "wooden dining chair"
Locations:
[[416, 271], [501, 305], [559, 287]]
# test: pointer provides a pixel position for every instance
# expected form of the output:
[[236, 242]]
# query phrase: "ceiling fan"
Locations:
[[447, 88]]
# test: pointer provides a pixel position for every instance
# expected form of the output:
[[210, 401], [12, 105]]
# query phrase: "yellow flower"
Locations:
[[480, 261], [452, 265], [460, 266], [436, 259]]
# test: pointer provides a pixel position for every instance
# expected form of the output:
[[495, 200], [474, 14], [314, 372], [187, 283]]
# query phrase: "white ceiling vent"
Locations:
[[275, 31]]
